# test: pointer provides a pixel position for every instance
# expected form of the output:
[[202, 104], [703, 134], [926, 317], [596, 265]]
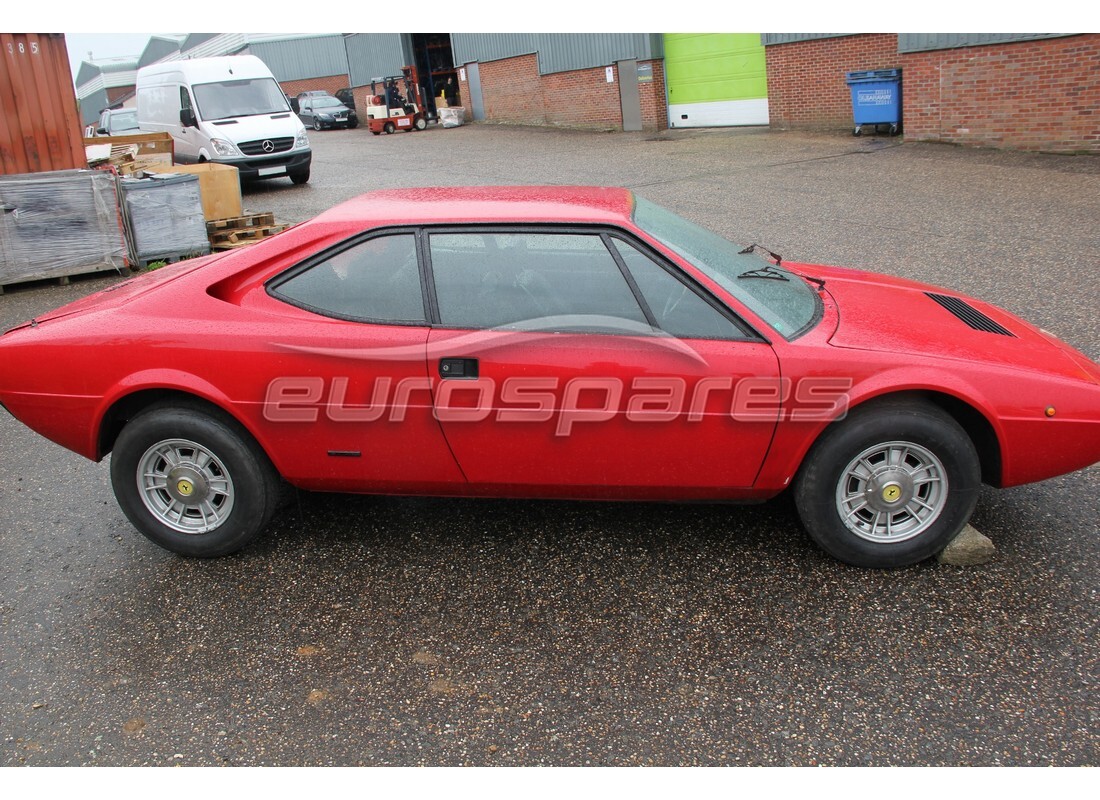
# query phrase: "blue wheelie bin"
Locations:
[[876, 99]]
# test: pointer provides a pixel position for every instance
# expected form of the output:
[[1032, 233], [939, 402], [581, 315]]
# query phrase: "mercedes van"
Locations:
[[228, 110]]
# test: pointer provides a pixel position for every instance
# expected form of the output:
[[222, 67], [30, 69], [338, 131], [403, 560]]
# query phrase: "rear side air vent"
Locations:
[[970, 315]]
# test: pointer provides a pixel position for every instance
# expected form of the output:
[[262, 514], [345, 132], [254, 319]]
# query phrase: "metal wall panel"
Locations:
[[786, 38], [376, 55], [300, 58], [468, 47], [916, 42], [558, 52], [92, 105], [562, 52], [40, 128]]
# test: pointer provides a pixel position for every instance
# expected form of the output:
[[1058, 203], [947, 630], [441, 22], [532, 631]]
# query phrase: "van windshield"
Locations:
[[244, 98]]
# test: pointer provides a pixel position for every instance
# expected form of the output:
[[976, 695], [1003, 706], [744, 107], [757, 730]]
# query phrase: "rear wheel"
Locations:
[[889, 486], [192, 482]]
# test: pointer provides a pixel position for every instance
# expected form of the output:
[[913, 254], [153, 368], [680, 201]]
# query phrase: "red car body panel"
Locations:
[[304, 385]]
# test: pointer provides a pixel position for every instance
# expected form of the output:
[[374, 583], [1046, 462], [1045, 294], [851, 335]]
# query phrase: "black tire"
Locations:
[[388, 127], [224, 490], [911, 466], [299, 177], [353, 123], [420, 123], [377, 133], [316, 124]]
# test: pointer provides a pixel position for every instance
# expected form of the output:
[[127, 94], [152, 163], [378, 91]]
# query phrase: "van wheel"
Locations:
[[300, 177]]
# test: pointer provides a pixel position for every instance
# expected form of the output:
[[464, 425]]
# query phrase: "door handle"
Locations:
[[458, 368]]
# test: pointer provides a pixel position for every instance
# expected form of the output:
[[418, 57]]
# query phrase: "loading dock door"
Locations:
[[715, 79]]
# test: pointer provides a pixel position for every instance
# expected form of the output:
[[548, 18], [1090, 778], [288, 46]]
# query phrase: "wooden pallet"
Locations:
[[228, 234], [239, 223]]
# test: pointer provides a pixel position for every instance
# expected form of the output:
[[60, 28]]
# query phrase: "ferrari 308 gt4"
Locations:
[[547, 342]]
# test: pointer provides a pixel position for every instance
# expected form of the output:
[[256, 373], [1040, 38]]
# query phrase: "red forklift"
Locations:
[[390, 110]]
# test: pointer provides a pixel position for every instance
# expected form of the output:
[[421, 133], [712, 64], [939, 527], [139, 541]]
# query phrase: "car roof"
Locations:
[[487, 205]]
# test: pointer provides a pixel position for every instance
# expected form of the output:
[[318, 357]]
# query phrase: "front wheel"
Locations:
[[420, 123], [192, 482], [889, 486], [299, 177], [316, 124]]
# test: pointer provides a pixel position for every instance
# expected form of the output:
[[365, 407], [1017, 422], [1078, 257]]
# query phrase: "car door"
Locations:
[[347, 391], [552, 374]]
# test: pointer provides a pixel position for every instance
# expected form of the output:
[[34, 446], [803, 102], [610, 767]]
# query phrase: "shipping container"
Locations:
[[40, 129]]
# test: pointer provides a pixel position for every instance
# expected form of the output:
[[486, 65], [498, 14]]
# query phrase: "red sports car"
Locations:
[[548, 342]]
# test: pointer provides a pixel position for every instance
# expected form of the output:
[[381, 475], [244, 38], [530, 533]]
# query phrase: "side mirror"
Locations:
[[101, 131], [187, 118]]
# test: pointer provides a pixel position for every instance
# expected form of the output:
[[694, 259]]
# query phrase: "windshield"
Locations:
[[123, 121], [777, 296], [326, 102], [245, 98]]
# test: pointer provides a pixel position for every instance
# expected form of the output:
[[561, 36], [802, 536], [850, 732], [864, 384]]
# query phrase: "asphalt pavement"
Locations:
[[405, 631]]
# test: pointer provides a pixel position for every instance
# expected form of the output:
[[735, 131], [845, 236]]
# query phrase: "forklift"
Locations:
[[390, 110]]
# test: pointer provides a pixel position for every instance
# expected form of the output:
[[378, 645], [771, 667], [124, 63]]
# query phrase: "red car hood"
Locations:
[[882, 313]]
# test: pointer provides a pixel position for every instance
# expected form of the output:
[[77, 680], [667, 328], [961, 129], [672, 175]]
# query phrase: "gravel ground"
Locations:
[[402, 631]]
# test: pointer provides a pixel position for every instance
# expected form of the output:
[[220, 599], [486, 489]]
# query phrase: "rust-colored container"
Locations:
[[40, 128]]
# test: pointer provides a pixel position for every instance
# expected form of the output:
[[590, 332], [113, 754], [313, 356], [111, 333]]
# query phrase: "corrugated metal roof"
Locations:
[[159, 47], [194, 39], [915, 42]]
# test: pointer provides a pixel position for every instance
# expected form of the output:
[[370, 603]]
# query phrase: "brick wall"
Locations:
[[513, 91], [807, 86], [116, 93], [1037, 95], [330, 84], [654, 99]]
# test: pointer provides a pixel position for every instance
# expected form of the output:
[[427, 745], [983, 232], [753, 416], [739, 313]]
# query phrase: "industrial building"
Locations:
[[1028, 91]]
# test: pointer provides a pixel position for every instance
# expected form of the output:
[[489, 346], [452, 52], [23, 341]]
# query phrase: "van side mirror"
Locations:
[[187, 118]]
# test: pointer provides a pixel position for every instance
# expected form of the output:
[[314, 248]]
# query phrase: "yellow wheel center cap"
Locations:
[[185, 487], [891, 493]]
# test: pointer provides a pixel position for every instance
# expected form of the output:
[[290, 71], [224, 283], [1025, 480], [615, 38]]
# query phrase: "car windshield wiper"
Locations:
[[767, 272]]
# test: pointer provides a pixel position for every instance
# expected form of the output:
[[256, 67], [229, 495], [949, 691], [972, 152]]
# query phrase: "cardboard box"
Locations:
[[218, 184]]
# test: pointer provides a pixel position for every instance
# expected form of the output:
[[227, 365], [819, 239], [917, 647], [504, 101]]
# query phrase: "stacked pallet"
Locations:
[[234, 232]]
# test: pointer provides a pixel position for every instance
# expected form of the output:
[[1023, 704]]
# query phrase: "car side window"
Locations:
[[549, 280], [676, 308], [377, 280]]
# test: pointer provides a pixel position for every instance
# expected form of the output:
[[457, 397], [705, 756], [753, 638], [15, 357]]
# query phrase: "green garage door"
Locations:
[[715, 79]]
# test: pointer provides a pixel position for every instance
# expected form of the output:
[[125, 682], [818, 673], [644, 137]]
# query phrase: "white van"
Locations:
[[229, 110]]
